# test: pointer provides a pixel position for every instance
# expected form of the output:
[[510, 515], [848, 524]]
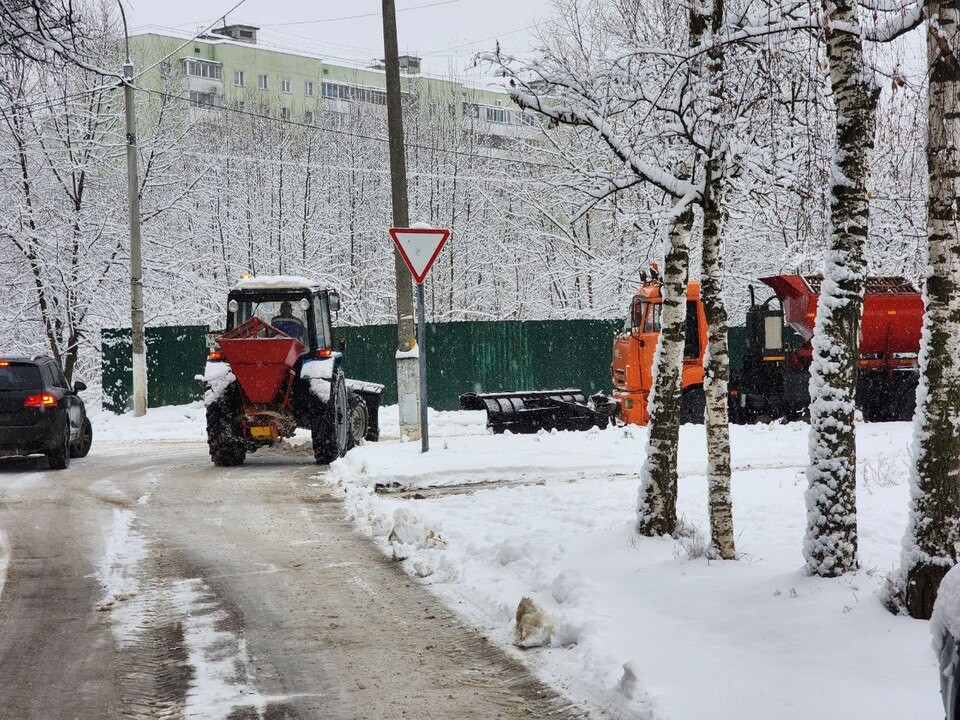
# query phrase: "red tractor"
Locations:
[[275, 370]]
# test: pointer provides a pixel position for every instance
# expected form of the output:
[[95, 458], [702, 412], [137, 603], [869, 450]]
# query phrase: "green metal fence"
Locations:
[[461, 357], [175, 355], [489, 357]]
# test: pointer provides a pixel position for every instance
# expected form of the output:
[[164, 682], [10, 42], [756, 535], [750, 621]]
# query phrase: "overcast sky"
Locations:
[[445, 33]]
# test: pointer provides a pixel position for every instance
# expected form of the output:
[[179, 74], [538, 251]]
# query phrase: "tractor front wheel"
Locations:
[[329, 422], [224, 430]]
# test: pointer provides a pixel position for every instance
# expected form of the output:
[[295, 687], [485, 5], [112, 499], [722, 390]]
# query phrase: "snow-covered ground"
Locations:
[[642, 627]]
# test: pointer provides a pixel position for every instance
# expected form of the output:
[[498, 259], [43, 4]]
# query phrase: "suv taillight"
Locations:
[[42, 400]]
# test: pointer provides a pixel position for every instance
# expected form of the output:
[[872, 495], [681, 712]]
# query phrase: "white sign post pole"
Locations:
[[422, 357]]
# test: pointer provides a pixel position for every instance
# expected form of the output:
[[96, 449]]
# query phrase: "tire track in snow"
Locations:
[[183, 654]]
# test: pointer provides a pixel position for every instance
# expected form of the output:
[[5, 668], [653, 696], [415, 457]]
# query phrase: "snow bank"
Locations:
[[645, 627], [175, 422]]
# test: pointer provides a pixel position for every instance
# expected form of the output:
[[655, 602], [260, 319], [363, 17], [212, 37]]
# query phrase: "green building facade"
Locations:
[[228, 68]]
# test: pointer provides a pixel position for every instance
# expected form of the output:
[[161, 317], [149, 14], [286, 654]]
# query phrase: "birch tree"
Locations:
[[830, 544], [598, 79], [930, 545]]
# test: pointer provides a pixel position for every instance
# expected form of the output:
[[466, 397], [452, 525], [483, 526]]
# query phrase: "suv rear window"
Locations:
[[20, 376]]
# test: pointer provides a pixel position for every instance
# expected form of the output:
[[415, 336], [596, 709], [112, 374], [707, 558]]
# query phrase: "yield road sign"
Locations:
[[419, 247]]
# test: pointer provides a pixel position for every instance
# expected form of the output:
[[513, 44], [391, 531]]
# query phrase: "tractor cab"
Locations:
[[297, 307]]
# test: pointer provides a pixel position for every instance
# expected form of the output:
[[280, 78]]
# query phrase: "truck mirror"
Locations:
[[304, 304], [334, 299]]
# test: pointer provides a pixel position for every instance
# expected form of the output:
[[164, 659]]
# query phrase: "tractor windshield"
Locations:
[[285, 315]]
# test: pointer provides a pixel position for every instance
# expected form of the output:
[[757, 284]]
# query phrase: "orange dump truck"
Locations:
[[775, 373], [771, 382]]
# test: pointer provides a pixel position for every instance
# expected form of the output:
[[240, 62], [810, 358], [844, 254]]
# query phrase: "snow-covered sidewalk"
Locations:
[[649, 627]]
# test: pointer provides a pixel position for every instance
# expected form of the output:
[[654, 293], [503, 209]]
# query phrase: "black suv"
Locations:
[[40, 413]]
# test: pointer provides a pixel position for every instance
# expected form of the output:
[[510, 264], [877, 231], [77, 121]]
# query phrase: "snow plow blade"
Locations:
[[535, 410]]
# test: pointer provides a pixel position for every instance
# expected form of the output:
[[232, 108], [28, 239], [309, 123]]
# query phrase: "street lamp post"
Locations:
[[136, 261]]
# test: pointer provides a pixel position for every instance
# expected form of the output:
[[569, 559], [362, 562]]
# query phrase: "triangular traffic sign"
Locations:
[[419, 247]]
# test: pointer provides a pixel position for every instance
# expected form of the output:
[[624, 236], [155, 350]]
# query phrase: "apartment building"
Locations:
[[228, 67]]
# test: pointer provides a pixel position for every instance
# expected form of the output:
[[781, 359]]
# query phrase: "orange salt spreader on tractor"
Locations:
[[772, 380]]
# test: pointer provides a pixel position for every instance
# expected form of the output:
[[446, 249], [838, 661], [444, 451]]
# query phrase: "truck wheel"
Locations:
[[693, 404], [359, 420], [223, 430], [329, 422], [906, 402]]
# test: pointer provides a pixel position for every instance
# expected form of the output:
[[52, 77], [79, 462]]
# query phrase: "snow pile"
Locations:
[[217, 377], [175, 422], [318, 374], [642, 627]]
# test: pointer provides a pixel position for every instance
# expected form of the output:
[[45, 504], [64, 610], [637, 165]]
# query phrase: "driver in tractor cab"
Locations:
[[287, 323]]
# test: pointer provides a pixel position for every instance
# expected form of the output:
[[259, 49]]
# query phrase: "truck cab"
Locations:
[[631, 369]]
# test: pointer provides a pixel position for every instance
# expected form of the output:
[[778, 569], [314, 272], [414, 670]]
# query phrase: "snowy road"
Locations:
[[146, 583]]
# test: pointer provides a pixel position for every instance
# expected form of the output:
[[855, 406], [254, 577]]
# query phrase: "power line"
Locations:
[[358, 136], [356, 17]]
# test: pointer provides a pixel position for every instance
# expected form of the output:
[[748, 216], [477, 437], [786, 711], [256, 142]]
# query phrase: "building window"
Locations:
[[308, 117], [471, 110], [262, 82], [308, 88], [238, 78], [496, 115], [284, 113], [203, 69], [285, 85], [337, 91], [203, 99]]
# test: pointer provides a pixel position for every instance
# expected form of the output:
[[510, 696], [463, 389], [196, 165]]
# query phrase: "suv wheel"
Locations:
[[59, 459], [82, 447]]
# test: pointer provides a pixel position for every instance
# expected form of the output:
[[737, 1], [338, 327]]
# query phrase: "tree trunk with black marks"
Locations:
[[717, 370], [657, 501], [933, 531], [830, 545], [716, 380]]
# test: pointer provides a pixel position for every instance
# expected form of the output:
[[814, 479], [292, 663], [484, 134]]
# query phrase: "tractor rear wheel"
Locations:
[[329, 422], [224, 432]]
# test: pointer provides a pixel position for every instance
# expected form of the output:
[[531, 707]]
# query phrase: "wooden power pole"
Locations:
[[408, 375]]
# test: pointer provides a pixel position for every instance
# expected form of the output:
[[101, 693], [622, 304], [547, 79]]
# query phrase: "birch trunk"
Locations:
[[657, 501], [933, 531], [830, 545], [717, 370], [717, 379]]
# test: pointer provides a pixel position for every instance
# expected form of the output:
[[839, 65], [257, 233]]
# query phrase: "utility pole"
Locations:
[[408, 375], [136, 261]]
